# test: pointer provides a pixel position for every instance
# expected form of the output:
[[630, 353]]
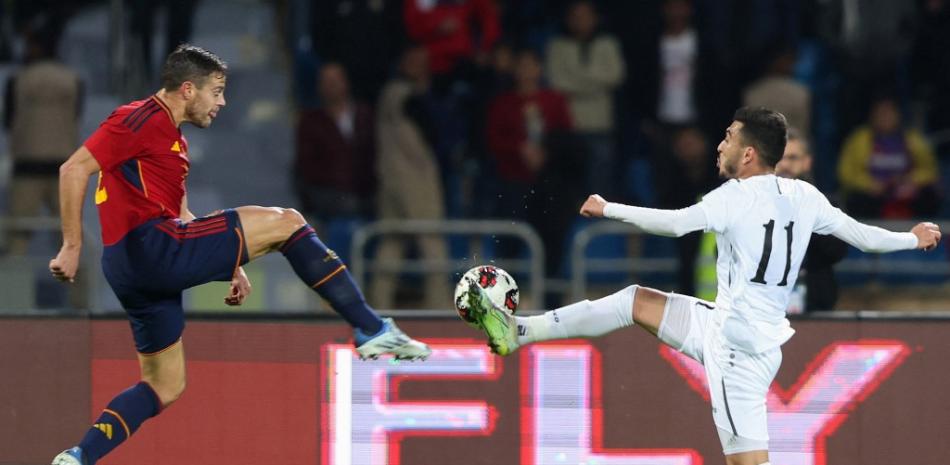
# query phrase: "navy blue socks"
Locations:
[[321, 269], [119, 420]]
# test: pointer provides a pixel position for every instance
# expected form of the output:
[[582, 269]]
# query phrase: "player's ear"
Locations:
[[187, 90], [748, 155]]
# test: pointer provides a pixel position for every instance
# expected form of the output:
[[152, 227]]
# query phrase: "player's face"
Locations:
[[207, 101], [730, 151]]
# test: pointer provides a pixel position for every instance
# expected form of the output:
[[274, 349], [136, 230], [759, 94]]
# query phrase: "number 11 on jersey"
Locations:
[[767, 253]]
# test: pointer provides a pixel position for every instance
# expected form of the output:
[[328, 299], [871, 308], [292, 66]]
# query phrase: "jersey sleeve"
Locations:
[[674, 223], [112, 143], [716, 206], [828, 218]]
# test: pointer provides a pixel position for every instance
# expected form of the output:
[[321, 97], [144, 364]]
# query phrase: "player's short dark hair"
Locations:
[[190, 63], [765, 130]]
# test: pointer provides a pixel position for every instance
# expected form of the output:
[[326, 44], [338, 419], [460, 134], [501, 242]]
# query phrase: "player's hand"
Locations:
[[593, 207], [66, 263], [928, 235], [240, 288]]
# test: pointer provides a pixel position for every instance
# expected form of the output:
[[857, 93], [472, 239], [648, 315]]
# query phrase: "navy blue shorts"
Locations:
[[151, 266]]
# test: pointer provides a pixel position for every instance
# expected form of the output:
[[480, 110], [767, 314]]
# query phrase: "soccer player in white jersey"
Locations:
[[762, 225]]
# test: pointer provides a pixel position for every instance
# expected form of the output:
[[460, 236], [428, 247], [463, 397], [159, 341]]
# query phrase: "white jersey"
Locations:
[[762, 225]]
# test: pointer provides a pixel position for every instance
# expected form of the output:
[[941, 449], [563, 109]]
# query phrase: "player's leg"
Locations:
[[679, 321], [164, 372], [157, 330], [633, 304], [735, 431], [739, 383], [163, 382], [283, 229]]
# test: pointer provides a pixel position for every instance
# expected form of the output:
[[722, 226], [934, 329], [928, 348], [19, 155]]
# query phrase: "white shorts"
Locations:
[[738, 381]]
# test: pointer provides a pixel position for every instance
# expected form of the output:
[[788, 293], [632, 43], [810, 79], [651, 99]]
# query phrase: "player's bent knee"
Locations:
[[290, 221], [295, 216]]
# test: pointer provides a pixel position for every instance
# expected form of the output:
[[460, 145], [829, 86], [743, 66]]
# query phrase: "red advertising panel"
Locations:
[[848, 392]]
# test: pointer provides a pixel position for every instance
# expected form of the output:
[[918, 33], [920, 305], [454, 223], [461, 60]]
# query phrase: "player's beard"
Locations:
[[197, 117], [727, 170]]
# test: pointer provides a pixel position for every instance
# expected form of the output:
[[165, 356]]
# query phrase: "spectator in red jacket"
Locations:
[[336, 149], [519, 120], [444, 27]]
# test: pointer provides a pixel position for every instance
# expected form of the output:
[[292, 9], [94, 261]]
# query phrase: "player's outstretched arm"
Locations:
[[674, 223], [868, 238], [73, 178]]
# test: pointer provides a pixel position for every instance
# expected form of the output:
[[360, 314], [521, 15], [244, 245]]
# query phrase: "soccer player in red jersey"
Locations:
[[154, 247]]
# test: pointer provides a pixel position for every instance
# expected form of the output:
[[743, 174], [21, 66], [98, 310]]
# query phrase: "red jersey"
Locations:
[[143, 159]]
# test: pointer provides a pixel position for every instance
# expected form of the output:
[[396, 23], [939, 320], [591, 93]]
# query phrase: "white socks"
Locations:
[[581, 319]]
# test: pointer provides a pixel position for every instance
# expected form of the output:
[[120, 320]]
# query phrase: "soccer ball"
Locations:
[[500, 286]]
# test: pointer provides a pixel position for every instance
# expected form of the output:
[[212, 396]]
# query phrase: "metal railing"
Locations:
[[29, 224], [91, 274], [582, 265], [475, 229]]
